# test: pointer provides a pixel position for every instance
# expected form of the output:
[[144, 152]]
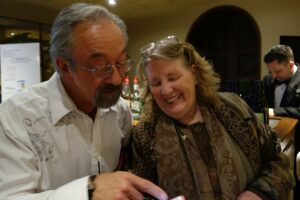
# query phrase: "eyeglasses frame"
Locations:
[[128, 62], [149, 47]]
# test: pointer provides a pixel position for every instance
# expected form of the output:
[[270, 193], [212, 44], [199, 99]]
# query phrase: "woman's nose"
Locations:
[[166, 89]]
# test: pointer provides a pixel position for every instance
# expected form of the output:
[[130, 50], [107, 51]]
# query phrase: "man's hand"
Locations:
[[271, 112], [125, 186], [247, 195]]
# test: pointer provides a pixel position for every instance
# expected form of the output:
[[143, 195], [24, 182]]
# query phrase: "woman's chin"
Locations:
[[175, 111]]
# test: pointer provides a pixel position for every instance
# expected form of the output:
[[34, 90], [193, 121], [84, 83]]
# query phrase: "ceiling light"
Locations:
[[112, 2]]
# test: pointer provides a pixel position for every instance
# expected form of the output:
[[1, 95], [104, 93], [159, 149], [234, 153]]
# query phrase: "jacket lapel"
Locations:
[[290, 91]]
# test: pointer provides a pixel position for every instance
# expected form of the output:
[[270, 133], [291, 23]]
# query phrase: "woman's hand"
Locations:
[[247, 195]]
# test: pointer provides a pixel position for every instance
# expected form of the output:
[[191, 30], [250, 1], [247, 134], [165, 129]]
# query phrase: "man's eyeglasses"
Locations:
[[103, 71], [147, 49]]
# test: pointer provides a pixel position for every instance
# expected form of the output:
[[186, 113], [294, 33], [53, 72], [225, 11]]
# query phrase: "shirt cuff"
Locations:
[[75, 190]]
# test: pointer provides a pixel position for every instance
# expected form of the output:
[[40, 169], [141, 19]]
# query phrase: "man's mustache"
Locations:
[[104, 101], [109, 88]]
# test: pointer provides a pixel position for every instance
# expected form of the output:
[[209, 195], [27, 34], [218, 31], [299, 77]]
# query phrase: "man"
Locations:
[[57, 133], [282, 90], [282, 84]]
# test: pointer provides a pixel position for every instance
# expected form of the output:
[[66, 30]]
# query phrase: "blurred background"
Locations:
[[233, 34]]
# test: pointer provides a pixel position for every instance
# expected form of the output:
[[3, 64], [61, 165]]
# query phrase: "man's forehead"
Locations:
[[276, 67]]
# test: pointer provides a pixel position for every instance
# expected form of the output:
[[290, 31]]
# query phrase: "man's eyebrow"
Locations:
[[123, 51], [102, 55], [97, 55]]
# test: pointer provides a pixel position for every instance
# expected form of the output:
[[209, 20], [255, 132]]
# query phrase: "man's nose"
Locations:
[[115, 78], [274, 75]]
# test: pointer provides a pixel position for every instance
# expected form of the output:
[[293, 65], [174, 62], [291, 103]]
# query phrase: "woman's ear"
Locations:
[[194, 72]]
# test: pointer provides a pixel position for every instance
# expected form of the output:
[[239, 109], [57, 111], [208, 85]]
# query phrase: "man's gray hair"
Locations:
[[62, 28]]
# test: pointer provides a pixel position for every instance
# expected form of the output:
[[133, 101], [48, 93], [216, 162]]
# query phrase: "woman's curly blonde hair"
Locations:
[[207, 79]]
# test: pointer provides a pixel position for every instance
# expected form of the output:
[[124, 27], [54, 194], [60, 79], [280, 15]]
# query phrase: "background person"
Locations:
[[282, 84], [57, 133], [282, 91], [193, 141]]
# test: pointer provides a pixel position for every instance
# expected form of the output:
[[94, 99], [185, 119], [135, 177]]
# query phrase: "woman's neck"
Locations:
[[195, 117]]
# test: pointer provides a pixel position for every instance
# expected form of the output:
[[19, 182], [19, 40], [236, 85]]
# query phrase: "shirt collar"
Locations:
[[294, 69], [102, 111], [60, 102]]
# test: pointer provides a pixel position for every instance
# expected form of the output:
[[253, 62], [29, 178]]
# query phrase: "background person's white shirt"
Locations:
[[279, 91], [48, 147]]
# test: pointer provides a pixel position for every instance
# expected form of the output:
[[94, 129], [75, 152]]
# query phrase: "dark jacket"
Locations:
[[290, 104], [271, 180], [289, 107]]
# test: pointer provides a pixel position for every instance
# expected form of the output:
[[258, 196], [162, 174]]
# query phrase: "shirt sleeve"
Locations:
[[20, 174], [287, 111]]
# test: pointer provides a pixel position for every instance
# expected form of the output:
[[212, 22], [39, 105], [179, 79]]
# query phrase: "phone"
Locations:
[[181, 197]]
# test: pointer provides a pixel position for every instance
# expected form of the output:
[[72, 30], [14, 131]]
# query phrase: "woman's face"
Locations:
[[172, 85]]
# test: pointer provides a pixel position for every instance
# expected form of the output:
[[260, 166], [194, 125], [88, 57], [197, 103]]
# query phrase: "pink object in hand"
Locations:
[[179, 198]]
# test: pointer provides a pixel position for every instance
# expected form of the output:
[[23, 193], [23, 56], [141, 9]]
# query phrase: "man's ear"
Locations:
[[291, 64], [63, 65]]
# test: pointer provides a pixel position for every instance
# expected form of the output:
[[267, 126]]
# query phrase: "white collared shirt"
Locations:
[[279, 91], [48, 147]]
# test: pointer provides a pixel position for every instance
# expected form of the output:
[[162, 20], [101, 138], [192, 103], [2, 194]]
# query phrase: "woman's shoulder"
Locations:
[[143, 135], [142, 128], [235, 102]]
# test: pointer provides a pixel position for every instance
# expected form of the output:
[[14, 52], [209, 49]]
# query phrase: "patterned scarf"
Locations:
[[234, 145]]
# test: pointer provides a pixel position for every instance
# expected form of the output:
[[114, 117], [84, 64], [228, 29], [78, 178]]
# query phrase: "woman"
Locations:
[[193, 141]]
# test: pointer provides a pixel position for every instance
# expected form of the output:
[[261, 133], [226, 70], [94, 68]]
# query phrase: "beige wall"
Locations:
[[274, 18], [8, 8]]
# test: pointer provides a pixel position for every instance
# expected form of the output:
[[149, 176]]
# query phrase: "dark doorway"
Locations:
[[228, 36]]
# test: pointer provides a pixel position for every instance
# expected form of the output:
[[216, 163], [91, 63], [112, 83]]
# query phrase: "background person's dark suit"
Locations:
[[290, 103], [289, 107]]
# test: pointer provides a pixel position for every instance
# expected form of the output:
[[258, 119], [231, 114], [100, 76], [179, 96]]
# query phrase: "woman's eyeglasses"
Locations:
[[103, 71], [147, 49]]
